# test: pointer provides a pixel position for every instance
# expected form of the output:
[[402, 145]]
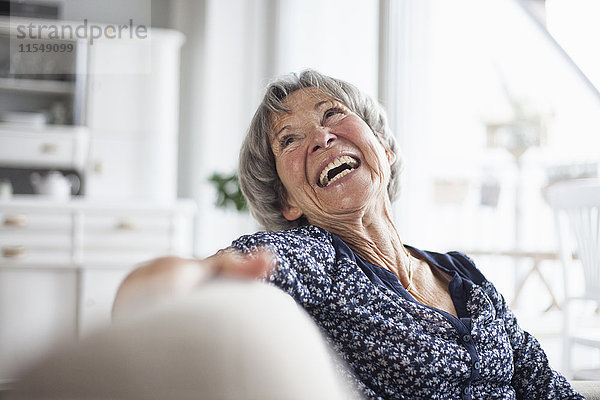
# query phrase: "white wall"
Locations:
[[336, 37], [233, 49], [221, 67], [106, 11]]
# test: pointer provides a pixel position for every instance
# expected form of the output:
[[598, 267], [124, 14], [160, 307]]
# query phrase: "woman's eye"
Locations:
[[331, 112], [286, 141]]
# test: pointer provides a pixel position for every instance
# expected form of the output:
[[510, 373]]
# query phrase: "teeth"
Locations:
[[340, 175], [352, 163]]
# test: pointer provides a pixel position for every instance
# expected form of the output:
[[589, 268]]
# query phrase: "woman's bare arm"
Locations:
[[168, 277]]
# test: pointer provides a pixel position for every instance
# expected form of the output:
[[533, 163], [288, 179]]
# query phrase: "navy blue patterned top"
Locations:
[[398, 348]]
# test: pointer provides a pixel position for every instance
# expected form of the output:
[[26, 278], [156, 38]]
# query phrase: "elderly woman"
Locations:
[[320, 169]]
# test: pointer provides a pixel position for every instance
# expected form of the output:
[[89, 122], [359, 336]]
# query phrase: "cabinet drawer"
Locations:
[[36, 240], [30, 237], [131, 222], [29, 255], [51, 152], [130, 238], [16, 221], [77, 234], [47, 148]]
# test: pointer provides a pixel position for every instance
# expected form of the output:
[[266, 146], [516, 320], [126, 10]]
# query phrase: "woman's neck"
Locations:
[[374, 238]]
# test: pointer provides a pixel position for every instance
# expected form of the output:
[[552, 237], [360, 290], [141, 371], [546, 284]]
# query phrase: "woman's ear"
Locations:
[[291, 212], [289, 209], [391, 156]]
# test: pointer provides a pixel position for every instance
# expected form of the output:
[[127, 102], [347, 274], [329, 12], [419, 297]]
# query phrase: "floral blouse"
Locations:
[[398, 348]]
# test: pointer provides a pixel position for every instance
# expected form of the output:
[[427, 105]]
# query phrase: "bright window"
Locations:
[[488, 109]]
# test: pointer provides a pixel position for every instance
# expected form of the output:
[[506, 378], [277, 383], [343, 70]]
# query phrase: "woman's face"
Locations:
[[328, 159]]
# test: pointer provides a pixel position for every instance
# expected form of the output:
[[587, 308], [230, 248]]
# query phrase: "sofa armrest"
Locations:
[[228, 340], [588, 389]]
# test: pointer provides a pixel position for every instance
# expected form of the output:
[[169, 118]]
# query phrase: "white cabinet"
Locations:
[[61, 264], [41, 87], [121, 99], [133, 111], [37, 310]]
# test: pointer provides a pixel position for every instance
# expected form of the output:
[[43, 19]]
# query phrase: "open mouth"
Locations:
[[337, 169]]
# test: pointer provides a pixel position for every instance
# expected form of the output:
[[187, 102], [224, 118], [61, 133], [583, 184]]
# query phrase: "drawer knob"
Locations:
[[49, 148], [126, 225], [15, 220], [13, 251]]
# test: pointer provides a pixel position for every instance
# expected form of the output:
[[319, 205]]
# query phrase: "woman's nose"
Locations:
[[322, 139]]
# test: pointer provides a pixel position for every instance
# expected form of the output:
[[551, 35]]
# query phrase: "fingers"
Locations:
[[158, 279], [241, 266], [168, 277]]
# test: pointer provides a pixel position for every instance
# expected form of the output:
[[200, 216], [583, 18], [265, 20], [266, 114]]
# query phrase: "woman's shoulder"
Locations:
[[304, 256], [298, 240]]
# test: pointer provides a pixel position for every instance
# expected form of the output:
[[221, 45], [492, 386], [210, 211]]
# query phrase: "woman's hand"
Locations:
[[169, 277]]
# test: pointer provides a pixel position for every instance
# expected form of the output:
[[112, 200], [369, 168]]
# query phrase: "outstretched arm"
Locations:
[[169, 277]]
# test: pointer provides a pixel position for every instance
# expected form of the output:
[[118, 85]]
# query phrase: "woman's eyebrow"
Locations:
[[317, 106], [281, 130], [320, 103]]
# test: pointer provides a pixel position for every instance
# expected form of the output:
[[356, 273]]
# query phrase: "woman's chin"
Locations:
[[352, 189], [344, 207], [345, 199]]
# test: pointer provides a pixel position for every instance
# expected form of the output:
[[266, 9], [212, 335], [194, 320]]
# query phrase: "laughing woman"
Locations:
[[320, 169]]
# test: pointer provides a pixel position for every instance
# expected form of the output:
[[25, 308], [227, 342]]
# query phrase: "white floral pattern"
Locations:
[[398, 348]]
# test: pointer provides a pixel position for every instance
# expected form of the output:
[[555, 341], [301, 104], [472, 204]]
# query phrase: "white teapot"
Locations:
[[54, 184]]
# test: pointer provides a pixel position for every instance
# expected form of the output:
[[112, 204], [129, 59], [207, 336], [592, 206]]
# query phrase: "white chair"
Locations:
[[576, 206]]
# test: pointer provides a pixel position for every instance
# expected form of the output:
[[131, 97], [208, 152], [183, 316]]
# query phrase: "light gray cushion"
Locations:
[[588, 389], [227, 341]]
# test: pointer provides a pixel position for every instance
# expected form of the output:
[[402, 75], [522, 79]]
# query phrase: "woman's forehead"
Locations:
[[300, 102], [306, 97]]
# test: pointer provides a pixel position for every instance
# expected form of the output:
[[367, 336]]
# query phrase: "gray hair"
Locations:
[[257, 173]]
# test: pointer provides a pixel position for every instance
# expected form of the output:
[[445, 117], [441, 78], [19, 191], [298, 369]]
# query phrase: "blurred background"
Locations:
[[124, 149]]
